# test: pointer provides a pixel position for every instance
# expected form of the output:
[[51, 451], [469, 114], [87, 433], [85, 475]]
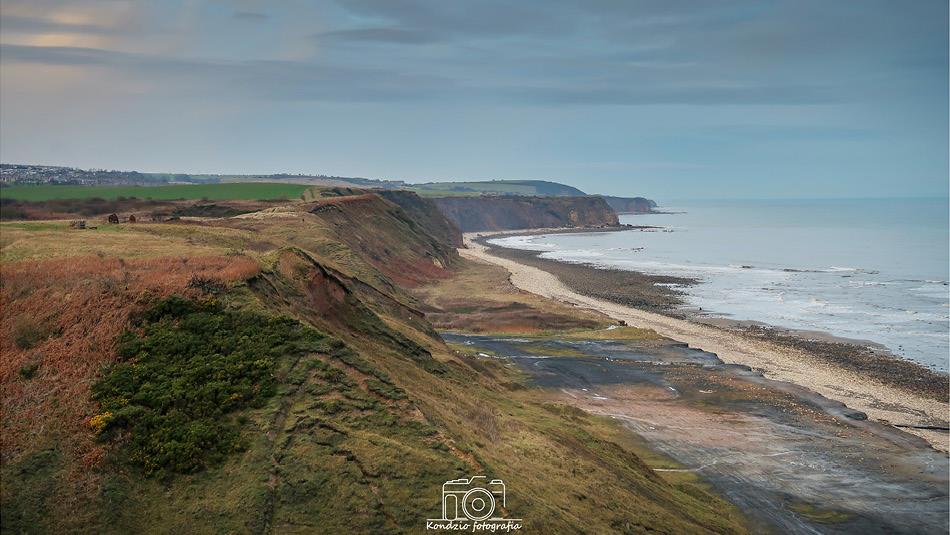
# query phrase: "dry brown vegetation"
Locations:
[[143, 209], [59, 325]]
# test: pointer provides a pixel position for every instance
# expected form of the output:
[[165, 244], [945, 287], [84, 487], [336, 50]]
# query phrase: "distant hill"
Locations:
[[497, 187], [526, 188], [630, 205]]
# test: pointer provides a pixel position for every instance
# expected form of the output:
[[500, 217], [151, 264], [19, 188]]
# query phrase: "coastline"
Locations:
[[660, 293], [778, 358]]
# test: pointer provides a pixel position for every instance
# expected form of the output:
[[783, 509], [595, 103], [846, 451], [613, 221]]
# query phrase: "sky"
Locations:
[[662, 98]]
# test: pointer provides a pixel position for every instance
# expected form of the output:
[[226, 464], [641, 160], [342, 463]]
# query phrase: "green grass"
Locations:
[[247, 191], [446, 193]]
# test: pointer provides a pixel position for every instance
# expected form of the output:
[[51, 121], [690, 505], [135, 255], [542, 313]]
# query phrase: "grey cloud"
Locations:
[[251, 16], [56, 55], [279, 80], [735, 34], [571, 52], [308, 81], [698, 94], [381, 35], [483, 19]]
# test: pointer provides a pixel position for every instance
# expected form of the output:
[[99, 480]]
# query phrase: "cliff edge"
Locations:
[[490, 212]]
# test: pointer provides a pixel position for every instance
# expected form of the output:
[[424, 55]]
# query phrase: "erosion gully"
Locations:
[[791, 460]]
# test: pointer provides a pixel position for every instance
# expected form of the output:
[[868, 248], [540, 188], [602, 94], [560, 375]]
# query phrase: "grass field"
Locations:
[[248, 191]]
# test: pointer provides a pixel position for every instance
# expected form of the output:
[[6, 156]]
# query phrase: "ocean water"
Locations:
[[867, 269]]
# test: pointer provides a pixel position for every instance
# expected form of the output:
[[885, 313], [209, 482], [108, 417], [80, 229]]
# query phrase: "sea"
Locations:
[[863, 269]]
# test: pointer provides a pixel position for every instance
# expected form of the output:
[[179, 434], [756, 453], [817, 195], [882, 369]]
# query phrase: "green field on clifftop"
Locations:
[[497, 187], [249, 191]]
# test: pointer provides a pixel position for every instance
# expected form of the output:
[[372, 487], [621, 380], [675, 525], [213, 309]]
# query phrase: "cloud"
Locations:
[[699, 94], [267, 79], [56, 55], [27, 24], [251, 16], [311, 81], [555, 53], [380, 35], [483, 19]]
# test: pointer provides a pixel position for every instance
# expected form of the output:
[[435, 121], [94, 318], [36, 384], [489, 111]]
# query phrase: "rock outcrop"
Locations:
[[630, 205]]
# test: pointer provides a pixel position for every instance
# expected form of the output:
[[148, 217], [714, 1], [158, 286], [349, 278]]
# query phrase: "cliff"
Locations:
[[317, 396], [424, 212], [516, 212], [630, 205]]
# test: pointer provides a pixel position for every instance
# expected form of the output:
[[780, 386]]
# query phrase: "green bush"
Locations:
[[183, 373]]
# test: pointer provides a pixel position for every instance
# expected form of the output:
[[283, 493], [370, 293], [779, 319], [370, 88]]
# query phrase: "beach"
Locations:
[[888, 402]]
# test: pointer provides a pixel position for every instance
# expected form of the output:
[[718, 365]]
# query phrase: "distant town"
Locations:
[[25, 174]]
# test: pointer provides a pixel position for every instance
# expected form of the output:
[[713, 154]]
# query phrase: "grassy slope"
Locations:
[[236, 191], [329, 451]]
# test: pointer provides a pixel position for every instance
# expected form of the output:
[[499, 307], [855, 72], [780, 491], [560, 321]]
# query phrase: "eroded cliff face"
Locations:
[[630, 205], [423, 212], [516, 212]]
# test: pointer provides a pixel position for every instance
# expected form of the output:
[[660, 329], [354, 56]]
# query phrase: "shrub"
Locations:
[[207, 285], [27, 332], [386, 390], [100, 422], [185, 373], [29, 368]]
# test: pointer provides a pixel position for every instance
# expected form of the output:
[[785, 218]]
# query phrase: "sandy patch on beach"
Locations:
[[879, 401]]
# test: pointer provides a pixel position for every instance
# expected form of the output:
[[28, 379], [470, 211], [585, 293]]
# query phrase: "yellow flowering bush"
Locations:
[[99, 422]]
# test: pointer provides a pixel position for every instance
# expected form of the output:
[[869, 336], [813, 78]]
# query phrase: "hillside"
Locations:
[[497, 187], [630, 205], [277, 372], [523, 212]]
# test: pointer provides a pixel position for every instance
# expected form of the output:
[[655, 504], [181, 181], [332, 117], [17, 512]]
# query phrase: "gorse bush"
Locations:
[[183, 372]]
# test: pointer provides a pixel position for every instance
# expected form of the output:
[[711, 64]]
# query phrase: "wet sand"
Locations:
[[793, 461], [882, 402]]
